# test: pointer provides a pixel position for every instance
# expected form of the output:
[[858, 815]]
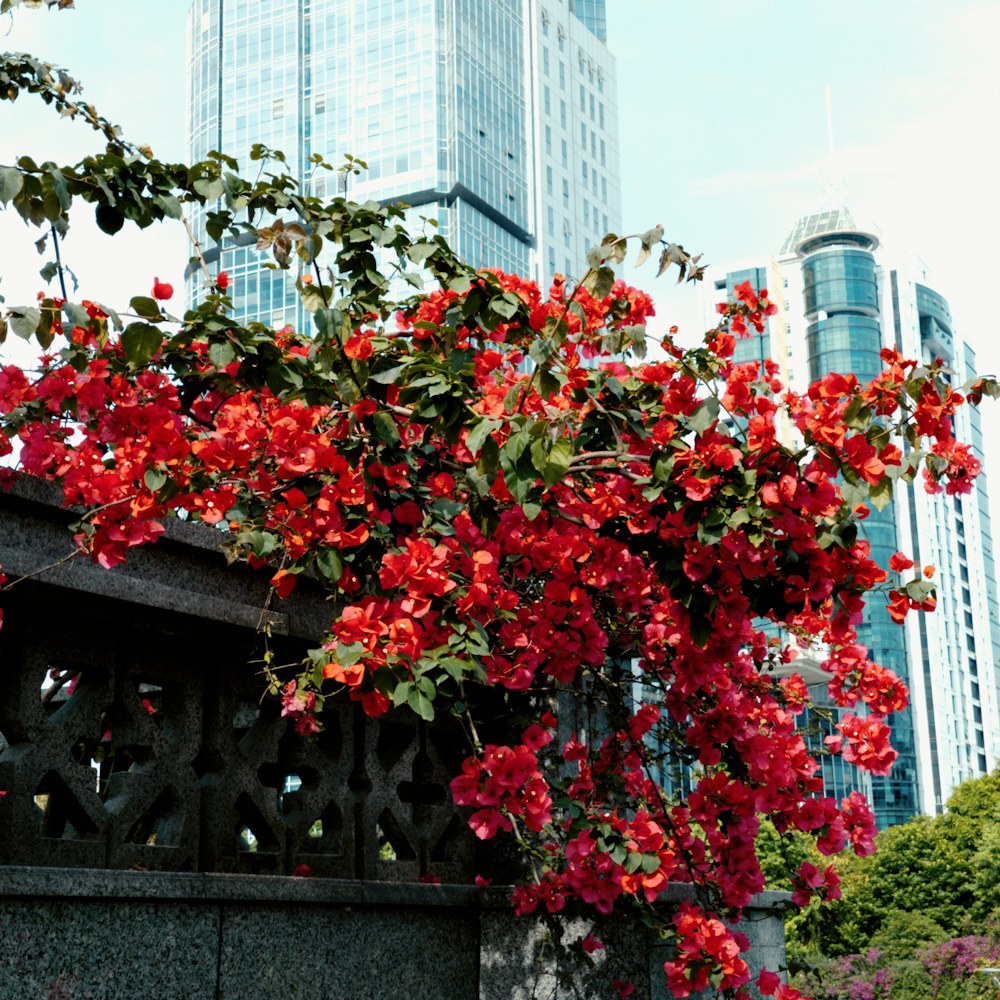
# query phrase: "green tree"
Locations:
[[903, 933]]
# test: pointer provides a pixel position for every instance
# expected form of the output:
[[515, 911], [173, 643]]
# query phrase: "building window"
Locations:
[[548, 179], [583, 135], [545, 61], [278, 109], [565, 191], [548, 101], [562, 113], [565, 153], [583, 99], [548, 139]]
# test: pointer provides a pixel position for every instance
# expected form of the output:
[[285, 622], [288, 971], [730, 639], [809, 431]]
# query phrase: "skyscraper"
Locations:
[[496, 118], [842, 297]]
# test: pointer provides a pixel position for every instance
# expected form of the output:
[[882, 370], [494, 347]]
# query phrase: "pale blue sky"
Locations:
[[722, 127]]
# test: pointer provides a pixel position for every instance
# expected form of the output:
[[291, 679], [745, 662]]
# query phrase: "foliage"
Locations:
[[904, 932], [940, 869], [612, 533], [947, 970]]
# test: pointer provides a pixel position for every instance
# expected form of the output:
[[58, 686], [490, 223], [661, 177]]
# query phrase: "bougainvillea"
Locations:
[[502, 495]]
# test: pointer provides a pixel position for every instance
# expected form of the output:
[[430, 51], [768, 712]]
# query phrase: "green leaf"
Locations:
[[221, 353], [650, 863], [388, 376], [11, 182], [548, 383], [385, 427], [109, 219], [140, 342], [559, 459], [480, 432], [419, 252], [154, 479], [170, 205], [147, 308], [704, 415], [701, 629], [210, 188], [880, 494], [312, 298], [329, 565], [402, 693], [420, 704], [613, 249], [24, 322], [503, 306], [599, 282], [77, 315], [262, 542]]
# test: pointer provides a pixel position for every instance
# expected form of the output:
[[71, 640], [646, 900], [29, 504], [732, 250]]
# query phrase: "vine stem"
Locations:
[[59, 264], [43, 569], [210, 281]]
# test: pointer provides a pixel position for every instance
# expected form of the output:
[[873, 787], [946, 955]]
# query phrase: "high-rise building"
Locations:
[[842, 297], [496, 118]]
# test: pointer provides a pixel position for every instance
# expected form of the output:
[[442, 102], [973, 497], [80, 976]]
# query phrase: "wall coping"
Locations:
[[27, 882]]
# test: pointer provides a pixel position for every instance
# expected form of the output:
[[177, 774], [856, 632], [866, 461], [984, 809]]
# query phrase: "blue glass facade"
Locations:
[[592, 13], [431, 94]]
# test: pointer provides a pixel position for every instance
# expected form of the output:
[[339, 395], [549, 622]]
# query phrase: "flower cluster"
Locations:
[[614, 533]]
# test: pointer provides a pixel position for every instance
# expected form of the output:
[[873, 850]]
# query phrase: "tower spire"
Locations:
[[832, 184]]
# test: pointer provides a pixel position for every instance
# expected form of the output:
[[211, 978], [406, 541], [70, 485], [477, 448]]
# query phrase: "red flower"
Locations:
[[898, 562], [222, 281], [359, 347], [161, 290]]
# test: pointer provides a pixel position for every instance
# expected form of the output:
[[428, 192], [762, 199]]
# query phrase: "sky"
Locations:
[[722, 123]]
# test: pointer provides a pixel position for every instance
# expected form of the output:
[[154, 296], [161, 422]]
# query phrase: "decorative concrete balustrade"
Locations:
[[137, 735], [157, 806]]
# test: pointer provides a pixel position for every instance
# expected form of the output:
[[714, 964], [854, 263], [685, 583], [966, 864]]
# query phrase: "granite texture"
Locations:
[[113, 935], [87, 950], [185, 572], [305, 953]]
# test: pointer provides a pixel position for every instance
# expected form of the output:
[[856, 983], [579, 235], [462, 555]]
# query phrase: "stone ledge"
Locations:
[[185, 572], [25, 882]]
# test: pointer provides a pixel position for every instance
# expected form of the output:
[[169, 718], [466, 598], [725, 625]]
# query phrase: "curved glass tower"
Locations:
[[844, 334]]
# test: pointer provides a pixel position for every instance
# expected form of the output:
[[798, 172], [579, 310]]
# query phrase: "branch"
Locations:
[[209, 280], [37, 572], [59, 265]]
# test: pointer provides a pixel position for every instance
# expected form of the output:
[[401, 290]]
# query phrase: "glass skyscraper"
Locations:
[[496, 118], [841, 298]]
